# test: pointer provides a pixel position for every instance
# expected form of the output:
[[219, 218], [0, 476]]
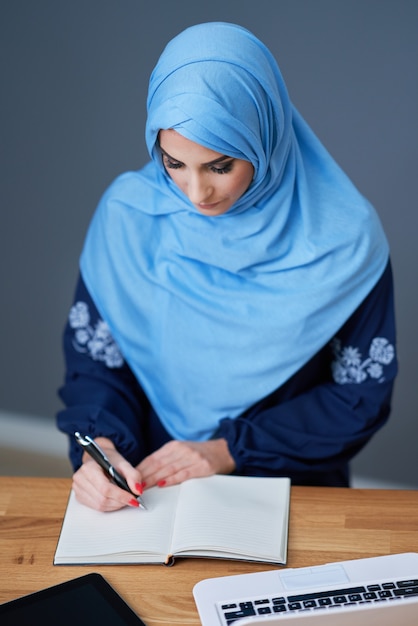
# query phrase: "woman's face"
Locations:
[[213, 182]]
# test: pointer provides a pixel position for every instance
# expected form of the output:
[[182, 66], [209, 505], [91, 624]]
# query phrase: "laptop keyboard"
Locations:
[[334, 599]]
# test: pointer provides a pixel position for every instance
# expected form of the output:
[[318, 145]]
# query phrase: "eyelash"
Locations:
[[174, 165], [222, 170]]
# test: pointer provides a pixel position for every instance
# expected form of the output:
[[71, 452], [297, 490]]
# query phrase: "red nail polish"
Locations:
[[144, 484], [133, 502], [162, 483], [139, 487]]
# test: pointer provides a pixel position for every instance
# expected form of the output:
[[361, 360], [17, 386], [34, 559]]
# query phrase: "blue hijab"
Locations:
[[214, 313]]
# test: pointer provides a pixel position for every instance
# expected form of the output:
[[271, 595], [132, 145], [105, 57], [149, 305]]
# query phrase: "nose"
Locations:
[[199, 188]]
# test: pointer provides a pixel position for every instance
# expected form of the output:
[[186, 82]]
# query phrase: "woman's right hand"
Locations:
[[94, 488]]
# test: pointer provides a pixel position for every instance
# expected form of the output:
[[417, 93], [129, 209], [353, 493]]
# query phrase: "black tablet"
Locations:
[[83, 601]]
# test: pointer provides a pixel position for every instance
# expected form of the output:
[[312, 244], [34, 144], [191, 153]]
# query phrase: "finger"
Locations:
[[93, 488], [133, 477], [161, 464], [123, 467], [126, 470], [177, 477], [97, 491], [186, 461]]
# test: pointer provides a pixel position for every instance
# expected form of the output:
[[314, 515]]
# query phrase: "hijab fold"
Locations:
[[214, 313]]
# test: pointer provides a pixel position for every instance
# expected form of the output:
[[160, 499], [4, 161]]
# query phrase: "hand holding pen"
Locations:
[[96, 453]]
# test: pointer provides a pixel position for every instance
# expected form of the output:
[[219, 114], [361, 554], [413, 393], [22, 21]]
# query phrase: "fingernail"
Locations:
[[162, 483], [139, 487], [144, 484], [134, 502]]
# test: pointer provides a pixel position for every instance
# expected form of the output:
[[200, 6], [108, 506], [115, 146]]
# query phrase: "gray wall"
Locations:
[[74, 78]]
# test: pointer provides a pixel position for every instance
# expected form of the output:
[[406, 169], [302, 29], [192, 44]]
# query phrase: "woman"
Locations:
[[234, 311]]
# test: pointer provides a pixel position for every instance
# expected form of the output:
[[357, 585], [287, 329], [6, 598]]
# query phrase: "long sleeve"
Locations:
[[101, 395], [307, 429], [314, 424]]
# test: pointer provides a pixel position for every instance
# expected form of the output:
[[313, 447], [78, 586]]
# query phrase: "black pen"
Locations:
[[96, 453]]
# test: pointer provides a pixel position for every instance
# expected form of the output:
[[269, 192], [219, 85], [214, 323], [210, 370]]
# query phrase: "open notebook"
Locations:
[[379, 591], [214, 517]]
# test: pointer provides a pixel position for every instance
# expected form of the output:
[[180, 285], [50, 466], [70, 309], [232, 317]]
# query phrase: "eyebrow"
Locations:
[[218, 160]]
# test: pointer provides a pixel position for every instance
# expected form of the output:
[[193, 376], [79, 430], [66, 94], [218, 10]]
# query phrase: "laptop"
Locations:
[[381, 591]]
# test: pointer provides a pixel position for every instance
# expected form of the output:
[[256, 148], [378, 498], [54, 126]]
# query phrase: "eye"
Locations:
[[224, 169], [170, 164]]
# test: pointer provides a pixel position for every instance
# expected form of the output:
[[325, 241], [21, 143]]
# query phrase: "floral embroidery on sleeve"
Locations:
[[96, 341], [349, 366]]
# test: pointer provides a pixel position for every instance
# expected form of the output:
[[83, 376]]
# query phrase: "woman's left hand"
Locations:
[[178, 461]]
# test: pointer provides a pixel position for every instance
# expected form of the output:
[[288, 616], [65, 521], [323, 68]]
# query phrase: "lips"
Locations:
[[208, 207]]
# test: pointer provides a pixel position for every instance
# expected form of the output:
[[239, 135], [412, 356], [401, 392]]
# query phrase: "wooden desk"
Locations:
[[325, 525]]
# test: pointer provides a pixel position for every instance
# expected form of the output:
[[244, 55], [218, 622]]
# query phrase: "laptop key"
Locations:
[[340, 599], [354, 597], [406, 591], [263, 601], [325, 594], [309, 604], [246, 610], [264, 610], [370, 596]]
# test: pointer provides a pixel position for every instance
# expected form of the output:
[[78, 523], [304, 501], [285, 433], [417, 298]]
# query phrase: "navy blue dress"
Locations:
[[308, 429]]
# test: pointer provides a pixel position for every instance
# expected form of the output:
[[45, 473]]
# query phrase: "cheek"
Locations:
[[177, 178], [242, 182]]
